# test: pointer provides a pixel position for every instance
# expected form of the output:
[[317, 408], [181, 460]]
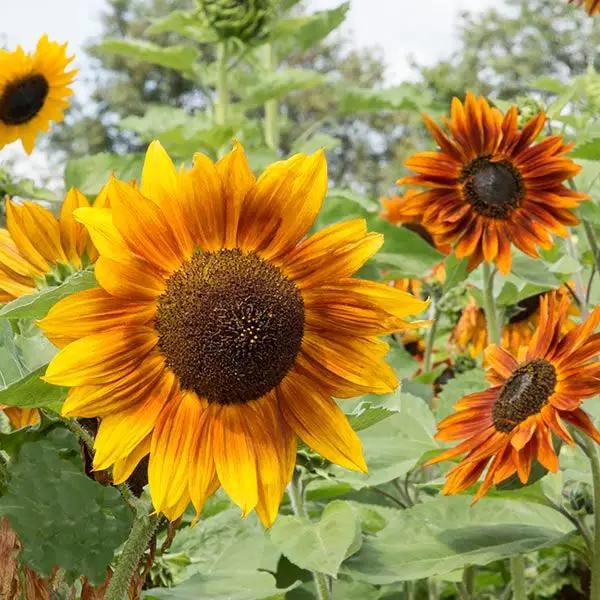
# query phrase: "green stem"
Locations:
[[82, 433], [517, 574], [143, 529], [271, 106], [591, 237], [592, 453], [430, 340], [222, 103], [296, 497], [489, 304], [579, 287]]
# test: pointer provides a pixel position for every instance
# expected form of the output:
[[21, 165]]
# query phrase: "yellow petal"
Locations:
[[19, 234], [105, 236], [71, 232], [134, 280], [123, 468]]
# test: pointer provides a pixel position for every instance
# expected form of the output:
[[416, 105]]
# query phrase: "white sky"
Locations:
[[423, 29]]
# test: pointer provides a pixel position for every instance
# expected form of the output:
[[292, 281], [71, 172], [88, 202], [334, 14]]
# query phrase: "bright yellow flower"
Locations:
[[33, 91], [220, 333]]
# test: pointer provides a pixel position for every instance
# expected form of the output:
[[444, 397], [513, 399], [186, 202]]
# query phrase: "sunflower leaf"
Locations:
[[37, 305], [63, 518], [32, 392]]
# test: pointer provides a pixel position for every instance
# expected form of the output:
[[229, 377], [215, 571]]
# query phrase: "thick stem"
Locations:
[[430, 340], [296, 497], [517, 574], [142, 531], [222, 103], [271, 106], [592, 453], [489, 304]]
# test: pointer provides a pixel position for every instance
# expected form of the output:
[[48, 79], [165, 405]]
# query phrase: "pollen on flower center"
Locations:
[[493, 188], [22, 100], [230, 325], [524, 394]]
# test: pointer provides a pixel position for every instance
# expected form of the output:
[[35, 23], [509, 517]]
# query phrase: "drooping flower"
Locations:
[[246, 20], [220, 333], [591, 6], [490, 184], [33, 91], [470, 333], [37, 249], [533, 394]]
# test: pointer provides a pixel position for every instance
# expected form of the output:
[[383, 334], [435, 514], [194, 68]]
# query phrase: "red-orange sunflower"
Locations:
[[507, 426], [592, 6], [490, 184]]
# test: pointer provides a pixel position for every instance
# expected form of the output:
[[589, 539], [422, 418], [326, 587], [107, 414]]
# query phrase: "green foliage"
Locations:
[[62, 517], [31, 392]]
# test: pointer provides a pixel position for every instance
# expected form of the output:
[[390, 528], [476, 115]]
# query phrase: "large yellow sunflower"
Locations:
[[592, 6], [533, 394], [37, 249], [490, 184], [33, 91], [220, 333]]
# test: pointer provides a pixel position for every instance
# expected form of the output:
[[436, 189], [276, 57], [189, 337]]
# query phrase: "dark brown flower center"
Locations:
[[493, 188], [22, 100], [230, 325], [524, 394]]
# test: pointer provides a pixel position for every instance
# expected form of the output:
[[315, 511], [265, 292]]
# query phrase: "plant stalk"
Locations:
[[593, 242], [592, 453], [579, 287], [430, 339], [296, 497], [222, 103], [271, 106], [489, 304], [517, 574], [141, 533]]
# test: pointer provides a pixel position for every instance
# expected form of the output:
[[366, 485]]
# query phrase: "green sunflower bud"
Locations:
[[528, 108], [246, 20]]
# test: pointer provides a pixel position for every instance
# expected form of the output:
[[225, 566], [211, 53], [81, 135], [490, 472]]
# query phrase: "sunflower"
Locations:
[[37, 249], [220, 334], [490, 184], [533, 394], [470, 333], [33, 91], [592, 6]]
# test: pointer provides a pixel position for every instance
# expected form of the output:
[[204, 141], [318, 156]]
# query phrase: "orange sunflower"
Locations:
[[592, 6], [490, 184], [533, 394], [220, 334], [37, 249], [33, 91], [470, 333]]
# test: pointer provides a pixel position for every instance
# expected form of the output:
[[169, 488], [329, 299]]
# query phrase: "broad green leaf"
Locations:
[[64, 518], [394, 445], [313, 143], [180, 58], [319, 546], [445, 534], [590, 211], [588, 150], [37, 305], [461, 385], [32, 392], [401, 97], [301, 33], [279, 83], [186, 24], [403, 250], [89, 174], [26, 189], [456, 272], [156, 120]]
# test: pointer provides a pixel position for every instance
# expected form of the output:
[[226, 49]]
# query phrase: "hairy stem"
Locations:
[[142, 531], [517, 574], [296, 497], [489, 304]]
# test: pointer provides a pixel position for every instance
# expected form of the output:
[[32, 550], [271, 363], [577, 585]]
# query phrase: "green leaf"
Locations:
[[403, 250], [180, 58], [302, 33], [456, 272], [89, 174], [461, 385], [279, 83], [588, 150], [401, 97], [394, 445], [186, 24], [37, 305], [445, 534], [313, 143], [63, 518], [32, 392], [319, 546], [26, 189]]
